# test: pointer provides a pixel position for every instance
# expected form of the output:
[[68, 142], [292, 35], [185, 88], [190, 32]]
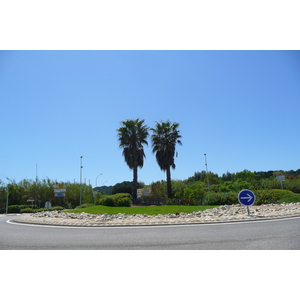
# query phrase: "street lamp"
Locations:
[[80, 180], [7, 193], [97, 178], [206, 171]]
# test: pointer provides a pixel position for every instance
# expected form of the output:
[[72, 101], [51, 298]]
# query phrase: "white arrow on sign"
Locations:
[[249, 197]]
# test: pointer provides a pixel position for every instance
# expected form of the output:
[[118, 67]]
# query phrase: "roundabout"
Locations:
[[273, 228], [221, 214]]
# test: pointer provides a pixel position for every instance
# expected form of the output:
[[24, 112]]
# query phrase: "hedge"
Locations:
[[121, 199], [229, 198]]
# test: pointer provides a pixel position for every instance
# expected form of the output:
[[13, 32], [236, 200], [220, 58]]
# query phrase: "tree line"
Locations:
[[195, 189], [41, 191]]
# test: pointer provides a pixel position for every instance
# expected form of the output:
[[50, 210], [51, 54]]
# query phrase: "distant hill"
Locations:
[[107, 190]]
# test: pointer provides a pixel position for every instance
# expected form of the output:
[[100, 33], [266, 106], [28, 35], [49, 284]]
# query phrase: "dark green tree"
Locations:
[[132, 137], [164, 139], [125, 187]]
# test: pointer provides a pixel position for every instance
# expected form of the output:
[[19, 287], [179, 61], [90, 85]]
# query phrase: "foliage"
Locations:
[[122, 200], [265, 197], [286, 196], [117, 200], [43, 190], [107, 201], [125, 187], [105, 190], [17, 208], [34, 210], [229, 198], [132, 137], [158, 190], [192, 191], [223, 198], [164, 139]]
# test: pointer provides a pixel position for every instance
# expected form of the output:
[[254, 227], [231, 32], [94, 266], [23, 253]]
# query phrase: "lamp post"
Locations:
[[7, 193], [96, 192], [80, 180], [96, 179], [206, 171]]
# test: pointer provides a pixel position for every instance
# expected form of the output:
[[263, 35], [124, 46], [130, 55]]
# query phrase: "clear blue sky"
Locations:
[[241, 108]]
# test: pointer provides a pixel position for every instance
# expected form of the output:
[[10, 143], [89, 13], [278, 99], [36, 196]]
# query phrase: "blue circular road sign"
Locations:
[[246, 197]]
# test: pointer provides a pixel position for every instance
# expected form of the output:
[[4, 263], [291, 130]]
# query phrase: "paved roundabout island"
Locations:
[[225, 213]]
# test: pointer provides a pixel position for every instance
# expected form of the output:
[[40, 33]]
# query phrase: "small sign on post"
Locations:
[[59, 190], [48, 205], [31, 200], [280, 177], [246, 198]]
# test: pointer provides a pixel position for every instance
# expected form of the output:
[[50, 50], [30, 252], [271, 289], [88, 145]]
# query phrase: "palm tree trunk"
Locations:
[[134, 185], [169, 186]]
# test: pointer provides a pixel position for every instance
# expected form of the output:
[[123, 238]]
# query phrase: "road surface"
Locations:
[[251, 235]]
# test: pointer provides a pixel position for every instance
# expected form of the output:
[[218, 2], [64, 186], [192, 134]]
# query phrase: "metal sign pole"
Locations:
[[246, 198]]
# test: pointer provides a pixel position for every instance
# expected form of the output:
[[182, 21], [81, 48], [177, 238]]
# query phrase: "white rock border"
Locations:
[[225, 213]]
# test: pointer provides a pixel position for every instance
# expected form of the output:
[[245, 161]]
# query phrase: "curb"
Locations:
[[147, 224]]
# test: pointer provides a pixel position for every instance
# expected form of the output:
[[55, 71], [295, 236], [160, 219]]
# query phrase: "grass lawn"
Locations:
[[149, 210]]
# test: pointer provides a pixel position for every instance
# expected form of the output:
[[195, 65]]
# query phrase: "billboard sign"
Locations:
[[60, 190], [280, 177]]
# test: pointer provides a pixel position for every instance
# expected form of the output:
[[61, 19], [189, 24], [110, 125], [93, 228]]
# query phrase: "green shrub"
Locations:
[[55, 208], [17, 208], [174, 201], [189, 201], [26, 210], [265, 197], [121, 199], [286, 196], [107, 201], [147, 201], [227, 198]]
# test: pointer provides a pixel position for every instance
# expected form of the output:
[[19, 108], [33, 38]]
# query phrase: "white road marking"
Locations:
[[153, 225]]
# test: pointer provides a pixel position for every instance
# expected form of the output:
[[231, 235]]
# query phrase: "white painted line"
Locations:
[[152, 225]]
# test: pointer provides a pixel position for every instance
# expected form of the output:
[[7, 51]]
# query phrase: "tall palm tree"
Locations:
[[164, 139], [132, 136]]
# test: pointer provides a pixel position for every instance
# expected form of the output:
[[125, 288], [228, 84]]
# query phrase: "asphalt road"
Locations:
[[276, 234]]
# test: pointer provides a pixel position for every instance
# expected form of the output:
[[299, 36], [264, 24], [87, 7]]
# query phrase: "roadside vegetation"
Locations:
[[200, 190], [189, 195]]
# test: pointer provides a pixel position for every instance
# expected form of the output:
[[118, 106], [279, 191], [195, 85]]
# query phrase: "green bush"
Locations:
[[121, 199], [17, 208], [107, 201], [34, 210], [225, 198], [229, 198], [55, 208], [265, 197], [174, 201], [286, 196], [27, 210]]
